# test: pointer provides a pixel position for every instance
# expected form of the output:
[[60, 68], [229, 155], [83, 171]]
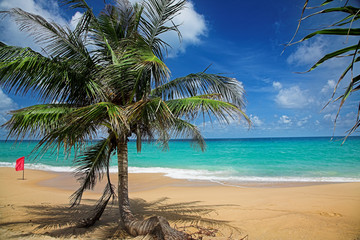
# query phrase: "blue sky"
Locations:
[[243, 40]]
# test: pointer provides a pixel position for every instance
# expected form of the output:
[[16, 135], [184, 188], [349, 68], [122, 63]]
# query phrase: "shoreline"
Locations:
[[205, 176], [321, 211], [68, 182]]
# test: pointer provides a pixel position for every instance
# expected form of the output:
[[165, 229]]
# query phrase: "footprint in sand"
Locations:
[[330, 214]]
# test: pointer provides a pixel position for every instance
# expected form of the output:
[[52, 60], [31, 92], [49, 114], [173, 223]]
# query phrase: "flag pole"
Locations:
[[23, 174]]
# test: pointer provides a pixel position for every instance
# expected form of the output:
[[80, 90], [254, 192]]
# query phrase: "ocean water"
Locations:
[[225, 160]]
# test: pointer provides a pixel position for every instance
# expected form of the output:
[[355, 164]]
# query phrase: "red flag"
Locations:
[[20, 164]]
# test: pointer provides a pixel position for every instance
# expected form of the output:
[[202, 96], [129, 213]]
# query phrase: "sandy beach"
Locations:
[[38, 208]]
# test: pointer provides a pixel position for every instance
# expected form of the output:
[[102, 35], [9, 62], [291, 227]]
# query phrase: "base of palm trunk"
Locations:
[[155, 226]]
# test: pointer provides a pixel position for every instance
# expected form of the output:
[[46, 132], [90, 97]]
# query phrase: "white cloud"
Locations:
[[277, 85], [308, 52], [285, 120], [192, 24], [5, 101], [293, 97], [192, 28], [256, 121], [303, 121], [49, 10], [6, 104], [329, 86], [75, 19], [330, 116]]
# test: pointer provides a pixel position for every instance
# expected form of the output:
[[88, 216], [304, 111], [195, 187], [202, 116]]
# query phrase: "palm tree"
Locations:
[[108, 73]]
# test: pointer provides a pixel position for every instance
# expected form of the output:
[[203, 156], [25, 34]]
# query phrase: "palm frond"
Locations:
[[191, 108], [73, 4], [82, 124], [335, 31], [356, 125], [184, 129], [326, 2], [146, 111], [349, 67], [150, 63], [92, 165], [37, 120], [23, 70], [157, 20], [202, 83], [56, 40], [333, 55], [118, 23], [149, 118], [352, 12], [96, 27]]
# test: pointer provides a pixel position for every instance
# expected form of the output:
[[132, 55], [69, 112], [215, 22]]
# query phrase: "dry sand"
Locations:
[[38, 208]]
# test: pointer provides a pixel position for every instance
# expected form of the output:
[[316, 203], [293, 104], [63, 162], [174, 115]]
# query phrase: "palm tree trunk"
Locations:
[[156, 226], [123, 191]]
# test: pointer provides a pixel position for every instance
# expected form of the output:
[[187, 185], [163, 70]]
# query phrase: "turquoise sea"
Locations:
[[318, 159]]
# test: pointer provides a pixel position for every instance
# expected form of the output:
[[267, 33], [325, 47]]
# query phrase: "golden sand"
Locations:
[[38, 208]]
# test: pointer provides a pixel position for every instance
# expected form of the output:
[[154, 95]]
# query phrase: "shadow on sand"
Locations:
[[61, 221]]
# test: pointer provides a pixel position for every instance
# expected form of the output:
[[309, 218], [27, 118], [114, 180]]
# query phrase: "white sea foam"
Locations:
[[39, 166], [224, 176], [228, 177]]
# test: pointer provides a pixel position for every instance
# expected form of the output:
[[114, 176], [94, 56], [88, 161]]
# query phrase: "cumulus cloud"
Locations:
[[6, 104], [303, 121], [285, 120], [75, 19], [192, 28], [308, 52], [47, 9], [330, 116], [50, 10], [277, 85], [293, 97], [329, 86], [256, 121]]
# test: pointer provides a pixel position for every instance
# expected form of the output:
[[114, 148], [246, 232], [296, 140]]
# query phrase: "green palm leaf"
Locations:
[[82, 125], [151, 63], [335, 31], [191, 108], [23, 70], [57, 41], [201, 83], [184, 129], [92, 165], [147, 111], [37, 120], [333, 55], [350, 10], [158, 16], [148, 118]]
